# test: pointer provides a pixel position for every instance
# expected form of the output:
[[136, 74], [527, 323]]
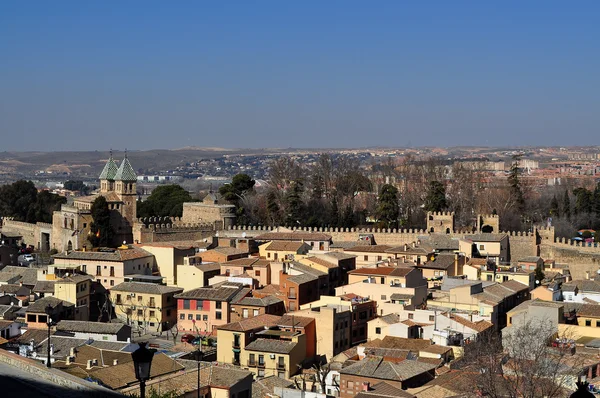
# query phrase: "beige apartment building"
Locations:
[[109, 266], [486, 245], [167, 257], [145, 306]]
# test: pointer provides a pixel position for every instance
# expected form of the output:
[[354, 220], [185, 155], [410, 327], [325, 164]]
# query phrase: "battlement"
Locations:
[[489, 216], [440, 213], [328, 229], [167, 227], [10, 222]]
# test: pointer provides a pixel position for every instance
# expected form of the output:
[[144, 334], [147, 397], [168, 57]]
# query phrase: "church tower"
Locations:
[[107, 177], [126, 190]]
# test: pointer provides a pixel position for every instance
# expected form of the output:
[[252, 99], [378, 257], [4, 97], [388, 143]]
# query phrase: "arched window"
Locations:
[[70, 246]]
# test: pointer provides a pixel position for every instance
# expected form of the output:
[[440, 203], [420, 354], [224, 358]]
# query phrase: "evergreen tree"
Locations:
[[334, 217], [514, 181], [583, 200], [436, 197], [273, 211], [240, 185], [388, 206], [294, 204], [554, 208], [101, 232], [566, 210], [596, 201], [165, 201]]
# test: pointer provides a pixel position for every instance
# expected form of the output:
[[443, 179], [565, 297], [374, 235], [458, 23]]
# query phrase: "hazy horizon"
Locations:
[[91, 76]]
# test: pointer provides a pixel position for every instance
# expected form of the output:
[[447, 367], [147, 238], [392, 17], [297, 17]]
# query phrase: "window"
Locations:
[[489, 278], [377, 330], [112, 282], [199, 304], [261, 359], [481, 247], [255, 313], [383, 297], [411, 316], [205, 317], [139, 298], [186, 304], [252, 359], [84, 269], [98, 270], [351, 384], [31, 318], [598, 324], [281, 375], [245, 313], [378, 258], [362, 315], [219, 315], [382, 279], [112, 271], [588, 322], [118, 299], [140, 312], [257, 272], [190, 317], [198, 317], [218, 305], [365, 258], [152, 302], [292, 306], [268, 254], [261, 373]]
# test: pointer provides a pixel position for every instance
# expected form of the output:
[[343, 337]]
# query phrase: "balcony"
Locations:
[[280, 366], [252, 364], [261, 364]]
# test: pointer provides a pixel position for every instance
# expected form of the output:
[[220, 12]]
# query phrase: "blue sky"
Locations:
[[142, 74]]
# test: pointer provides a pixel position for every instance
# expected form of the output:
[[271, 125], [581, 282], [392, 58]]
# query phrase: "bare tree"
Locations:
[[530, 362]]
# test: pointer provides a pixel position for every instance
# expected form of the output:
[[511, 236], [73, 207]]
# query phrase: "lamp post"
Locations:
[[142, 361], [48, 310]]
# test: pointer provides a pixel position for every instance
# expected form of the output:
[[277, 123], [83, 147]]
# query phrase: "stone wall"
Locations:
[[34, 369], [145, 231], [31, 233]]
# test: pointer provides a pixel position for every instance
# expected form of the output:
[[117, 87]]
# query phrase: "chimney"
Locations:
[[405, 247], [414, 245], [115, 362], [95, 362], [51, 349], [365, 386], [587, 275], [68, 360], [89, 364], [72, 352]]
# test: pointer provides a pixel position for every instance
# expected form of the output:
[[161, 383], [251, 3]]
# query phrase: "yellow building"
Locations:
[[486, 245], [168, 255], [494, 274], [75, 289], [147, 306], [280, 250], [190, 277], [275, 353]]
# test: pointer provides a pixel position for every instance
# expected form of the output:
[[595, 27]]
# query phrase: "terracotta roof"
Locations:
[[118, 255], [226, 250], [478, 326], [398, 343], [225, 292], [289, 320], [247, 262], [369, 248], [271, 345], [262, 387], [589, 310], [383, 271], [287, 246], [259, 302], [39, 306], [339, 255], [145, 287], [322, 261], [377, 368], [442, 261], [89, 327], [486, 237], [257, 322], [410, 322], [294, 236], [390, 319], [384, 390], [122, 375]]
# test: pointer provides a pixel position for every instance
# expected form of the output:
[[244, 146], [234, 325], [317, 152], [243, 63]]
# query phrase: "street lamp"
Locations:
[[142, 360], [49, 322]]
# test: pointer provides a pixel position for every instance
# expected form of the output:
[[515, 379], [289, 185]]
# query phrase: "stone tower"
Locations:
[[107, 177], [126, 190], [488, 223], [440, 222]]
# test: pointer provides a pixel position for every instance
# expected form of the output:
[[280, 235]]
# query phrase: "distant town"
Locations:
[[351, 273]]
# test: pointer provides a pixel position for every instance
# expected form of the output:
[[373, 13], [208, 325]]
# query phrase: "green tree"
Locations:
[[596, 200], [334, 215], [101, 232], [294, 204], [45, 204], [273, 210], [78, 186], [388, 206], [539, 276], [165, 201], [554, 207], [18, 200], [436, 197], [566, 210], [240, 185], [583, 200], [514, 180]]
